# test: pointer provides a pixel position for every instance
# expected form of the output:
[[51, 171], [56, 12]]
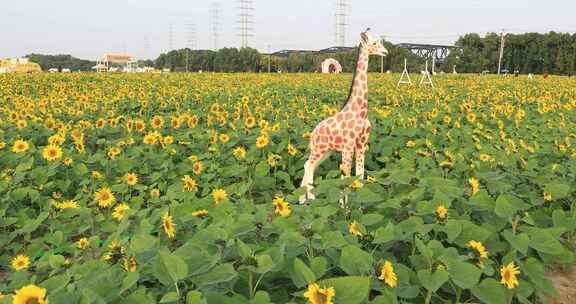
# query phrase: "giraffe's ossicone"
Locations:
[[348, 130]]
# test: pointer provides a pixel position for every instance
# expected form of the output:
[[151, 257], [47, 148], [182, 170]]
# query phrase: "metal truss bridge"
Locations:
[[440, 52]]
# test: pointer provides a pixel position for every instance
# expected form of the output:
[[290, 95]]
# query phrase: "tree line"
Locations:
[[552, 52], [60, 62]]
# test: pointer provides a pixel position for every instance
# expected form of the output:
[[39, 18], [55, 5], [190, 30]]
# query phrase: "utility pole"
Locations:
[[502, 35], [340, 24], [269, 58], [190, 42], [245, 19], [215, 24]]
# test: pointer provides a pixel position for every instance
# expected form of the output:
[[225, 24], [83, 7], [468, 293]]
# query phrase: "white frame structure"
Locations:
[[404, 72], [426, 79]]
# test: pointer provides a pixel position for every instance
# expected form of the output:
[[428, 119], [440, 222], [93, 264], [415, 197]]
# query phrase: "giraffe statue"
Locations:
[[347, 131]]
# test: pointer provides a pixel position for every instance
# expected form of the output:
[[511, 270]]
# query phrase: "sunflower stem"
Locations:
[[250, 284], [428, 297]]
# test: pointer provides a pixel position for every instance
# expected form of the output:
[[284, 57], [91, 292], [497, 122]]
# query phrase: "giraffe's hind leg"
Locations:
[[347, 156], [309, 167]]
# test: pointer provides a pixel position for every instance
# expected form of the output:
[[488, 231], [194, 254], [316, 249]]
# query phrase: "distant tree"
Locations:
[[61, 62]]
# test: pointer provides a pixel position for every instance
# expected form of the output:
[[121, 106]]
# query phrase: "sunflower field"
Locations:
[[183, 188]]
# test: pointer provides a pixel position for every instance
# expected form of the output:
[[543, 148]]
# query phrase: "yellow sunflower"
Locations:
[[82, 243], [354, 229], [20, 146], [104, 197], [119, 211], [189, 184], [239, 152], [197, 167], [317, 295], [219, 195], [30, 294], [20, 262], [52, 152], [262, 141], [441, 212], [168, 225], [200, 213], [388, 275], [282, 207], [479, 247], [131, 179], [508, 274]]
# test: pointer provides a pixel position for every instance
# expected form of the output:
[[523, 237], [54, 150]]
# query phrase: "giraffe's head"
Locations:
[[373, 45]]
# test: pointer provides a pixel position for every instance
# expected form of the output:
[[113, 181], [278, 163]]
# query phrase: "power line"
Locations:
[[215, 24], [340, 23], [245, 16], [190, 41]]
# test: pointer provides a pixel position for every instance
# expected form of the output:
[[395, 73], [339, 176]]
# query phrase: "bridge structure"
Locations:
[[429, 51]]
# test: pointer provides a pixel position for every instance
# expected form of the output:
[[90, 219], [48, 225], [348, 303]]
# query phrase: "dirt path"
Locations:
[[565, 283]]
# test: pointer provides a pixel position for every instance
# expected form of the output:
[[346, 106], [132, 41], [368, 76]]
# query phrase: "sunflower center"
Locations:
[[32, 300]]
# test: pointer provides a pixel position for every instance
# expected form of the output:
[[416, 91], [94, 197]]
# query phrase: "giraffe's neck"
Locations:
[[358, 98]]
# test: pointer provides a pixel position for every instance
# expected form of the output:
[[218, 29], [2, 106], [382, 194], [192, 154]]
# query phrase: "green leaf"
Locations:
[[25, 165], [519, 242], [34, 224], [453, 229], [424, 250], [265, 263], [541, 240], [170, 268], [261, 297], [302, 275], [349, 290], [464, 275], [371, 219], [384, 234], [355, 261], [56, 260], [490, 291], [130, 280], [319, 265], [137, 297], [262, 169], [195, 297], [142, 243], [400, 177], [19, 194], [56, 283], [170, 297], [365, 195], [243, 250], [558, 190], [503, 208], [219, 274], [433, 281]]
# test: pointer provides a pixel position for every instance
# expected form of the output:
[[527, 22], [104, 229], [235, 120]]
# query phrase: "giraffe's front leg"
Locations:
[[307, 181], [360, 163], [361, 145], [347, 155], [309, 167]]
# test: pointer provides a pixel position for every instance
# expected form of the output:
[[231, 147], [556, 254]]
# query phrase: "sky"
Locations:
[[87, 29]]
